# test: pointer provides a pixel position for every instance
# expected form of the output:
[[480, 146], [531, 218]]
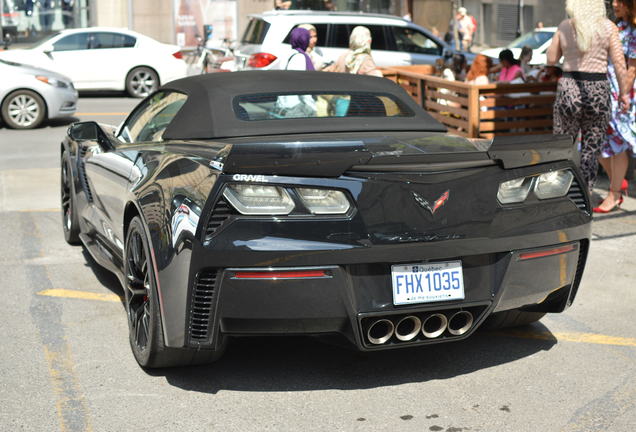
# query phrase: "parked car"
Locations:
[[396, 41], [103, 58], [274, 214], [29, 96], [538, 39]]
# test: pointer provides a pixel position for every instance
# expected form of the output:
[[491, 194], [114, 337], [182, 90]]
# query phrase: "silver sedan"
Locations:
[[31, 95]]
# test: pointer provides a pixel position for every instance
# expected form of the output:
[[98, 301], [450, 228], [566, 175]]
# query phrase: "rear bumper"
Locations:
[[350, 297]]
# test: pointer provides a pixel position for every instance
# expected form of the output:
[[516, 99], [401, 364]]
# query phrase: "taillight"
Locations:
[[178, 55], [260, 60]]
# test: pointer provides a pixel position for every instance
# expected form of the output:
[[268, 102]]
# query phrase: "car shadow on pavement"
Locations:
[[304, 363], [64, 121], [58, 122], [105, 277]]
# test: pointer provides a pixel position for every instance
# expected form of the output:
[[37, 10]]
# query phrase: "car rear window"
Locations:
[[534, 40], [255, 31], [341, 32], [276, 106], [111, 40]]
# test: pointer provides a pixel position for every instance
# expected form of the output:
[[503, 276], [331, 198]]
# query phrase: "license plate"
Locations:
[[430, 282]]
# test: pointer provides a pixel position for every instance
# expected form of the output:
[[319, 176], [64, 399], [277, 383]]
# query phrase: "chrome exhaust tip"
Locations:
[[434, 325], [460, 322], [380, 331], [407, 328]]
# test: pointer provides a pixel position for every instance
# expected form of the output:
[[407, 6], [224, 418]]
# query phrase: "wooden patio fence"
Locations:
[[479, 111]]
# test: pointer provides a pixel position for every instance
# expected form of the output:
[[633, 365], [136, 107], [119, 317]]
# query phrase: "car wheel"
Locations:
[[512, 318], [23, 109], [142, 309], [141, 82], [70, 221]]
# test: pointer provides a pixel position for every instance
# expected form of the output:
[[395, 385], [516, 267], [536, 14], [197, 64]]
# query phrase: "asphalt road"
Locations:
[[65, 363]]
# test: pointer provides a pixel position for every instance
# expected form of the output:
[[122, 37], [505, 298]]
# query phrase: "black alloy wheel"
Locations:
[[70, 223], [139, 294], [142, 309]]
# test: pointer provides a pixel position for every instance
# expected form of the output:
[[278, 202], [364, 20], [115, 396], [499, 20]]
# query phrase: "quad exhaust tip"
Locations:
[[434, 325], [380, 331], [460, 322], [408, 328]]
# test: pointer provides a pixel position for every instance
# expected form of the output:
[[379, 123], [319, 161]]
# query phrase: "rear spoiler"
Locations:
[[333, 158], [525, 150], [313, 159]]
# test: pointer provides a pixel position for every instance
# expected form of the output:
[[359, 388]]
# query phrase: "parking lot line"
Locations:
[[83, 295], [589, 338]]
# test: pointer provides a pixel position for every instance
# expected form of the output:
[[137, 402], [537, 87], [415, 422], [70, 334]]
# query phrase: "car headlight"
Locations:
[[514, 191], [324, 201], [553, 184], [52, 81], [254, 199]]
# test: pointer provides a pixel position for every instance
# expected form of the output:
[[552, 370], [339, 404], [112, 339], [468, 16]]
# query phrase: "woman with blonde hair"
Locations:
[[586, 41], [357, 59]]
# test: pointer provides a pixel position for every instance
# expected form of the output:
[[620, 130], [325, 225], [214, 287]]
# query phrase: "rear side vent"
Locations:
[[577, 196], [580, 266], [203, 296], [220, 215], [83, 178]]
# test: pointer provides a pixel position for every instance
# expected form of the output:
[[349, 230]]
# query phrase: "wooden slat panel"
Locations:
[[512, 101], [414, 69], [449, 85], [507, 125], [445, 108], [433, 95], [452, 121], [505, 88], [537, 132], [524, 108], [473, 113], [516, 113]]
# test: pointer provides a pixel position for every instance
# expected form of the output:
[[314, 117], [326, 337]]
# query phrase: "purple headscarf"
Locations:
[[300, 41]]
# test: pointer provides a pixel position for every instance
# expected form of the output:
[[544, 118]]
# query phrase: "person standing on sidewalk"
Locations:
[[586, 41], [465, 28], [621, 134]]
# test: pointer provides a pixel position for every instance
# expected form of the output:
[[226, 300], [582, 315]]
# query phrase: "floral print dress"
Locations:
[[621, 133]]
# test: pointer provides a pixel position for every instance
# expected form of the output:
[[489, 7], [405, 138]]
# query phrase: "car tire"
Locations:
[[143, 313], [141, 82], [70, 221], [512, 318], [23, 109]]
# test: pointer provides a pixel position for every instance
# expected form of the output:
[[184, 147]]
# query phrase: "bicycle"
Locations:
[[211, 59]]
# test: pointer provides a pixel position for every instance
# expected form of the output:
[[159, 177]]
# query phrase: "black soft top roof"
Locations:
[[208, 112]]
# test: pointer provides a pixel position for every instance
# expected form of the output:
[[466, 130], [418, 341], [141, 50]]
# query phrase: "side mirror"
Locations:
[[84, 131], [47, 49]]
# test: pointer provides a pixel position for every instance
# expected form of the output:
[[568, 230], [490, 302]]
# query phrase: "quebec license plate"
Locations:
[[430, 282]]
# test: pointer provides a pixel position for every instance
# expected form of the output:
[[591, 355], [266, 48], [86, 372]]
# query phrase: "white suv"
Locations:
[[395, 41]]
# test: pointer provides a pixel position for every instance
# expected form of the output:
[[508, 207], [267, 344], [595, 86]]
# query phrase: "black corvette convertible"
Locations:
[[277, 203]]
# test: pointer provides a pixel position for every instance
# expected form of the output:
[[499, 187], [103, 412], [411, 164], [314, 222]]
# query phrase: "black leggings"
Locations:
[[584, 106]]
